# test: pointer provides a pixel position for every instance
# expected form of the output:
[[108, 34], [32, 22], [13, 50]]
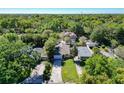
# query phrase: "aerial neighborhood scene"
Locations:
[[62, 49]]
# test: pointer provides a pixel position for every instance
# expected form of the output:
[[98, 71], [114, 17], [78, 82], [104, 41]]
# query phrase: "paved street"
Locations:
[[56, 77], [36, 75]]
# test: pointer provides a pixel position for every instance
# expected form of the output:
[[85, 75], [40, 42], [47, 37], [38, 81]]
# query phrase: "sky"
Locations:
[[61, 10]]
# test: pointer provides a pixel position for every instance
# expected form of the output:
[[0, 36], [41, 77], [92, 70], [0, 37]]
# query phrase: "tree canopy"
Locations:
[[102, 70]]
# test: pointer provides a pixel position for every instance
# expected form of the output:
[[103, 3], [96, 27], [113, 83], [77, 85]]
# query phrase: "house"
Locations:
[[70, 35], [84, 52], [73, 37], [91, 44], [63, 48], [38, 50], [42, 52]]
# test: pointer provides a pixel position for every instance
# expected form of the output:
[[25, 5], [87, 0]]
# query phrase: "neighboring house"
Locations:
[[42, 52], [84, 52], [91, 44], [72, 36], [38, 50]]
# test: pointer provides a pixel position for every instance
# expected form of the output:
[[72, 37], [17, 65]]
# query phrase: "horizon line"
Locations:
[[61, 10]]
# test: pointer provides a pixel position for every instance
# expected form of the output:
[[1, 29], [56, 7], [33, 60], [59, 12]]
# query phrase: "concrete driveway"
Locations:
[[36, 75], [56, 77]]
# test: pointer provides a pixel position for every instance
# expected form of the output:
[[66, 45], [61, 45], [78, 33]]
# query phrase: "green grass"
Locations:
[[69, 72]]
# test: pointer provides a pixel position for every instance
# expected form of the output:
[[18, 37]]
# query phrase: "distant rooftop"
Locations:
[[38, 50]]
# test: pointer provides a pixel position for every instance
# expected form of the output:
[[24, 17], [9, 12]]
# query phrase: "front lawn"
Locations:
[[69, 72]]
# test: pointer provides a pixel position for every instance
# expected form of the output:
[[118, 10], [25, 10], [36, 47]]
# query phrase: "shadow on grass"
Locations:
[[63, 63]]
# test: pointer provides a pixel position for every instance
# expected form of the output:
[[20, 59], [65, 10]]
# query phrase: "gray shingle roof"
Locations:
[[64, 49], [84, 52]]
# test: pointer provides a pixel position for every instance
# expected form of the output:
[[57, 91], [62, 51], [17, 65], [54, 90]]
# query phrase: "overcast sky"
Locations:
[[62, 10]]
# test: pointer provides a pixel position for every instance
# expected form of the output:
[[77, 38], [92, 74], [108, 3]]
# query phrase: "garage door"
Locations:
[[57, 57]]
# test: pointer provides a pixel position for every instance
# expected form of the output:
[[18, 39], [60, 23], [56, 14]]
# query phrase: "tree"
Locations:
[[15, 61], [36, 39], [67, 39], [50, 46], [100, 35], [76, 27], [99, 69], [46, 33], [119, 78], [11, 36], [29, 30], [74, 51], [82, 41], [96, 50], [120, 35]]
